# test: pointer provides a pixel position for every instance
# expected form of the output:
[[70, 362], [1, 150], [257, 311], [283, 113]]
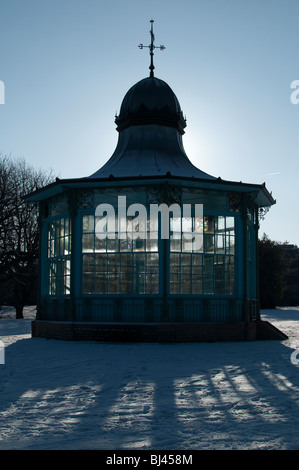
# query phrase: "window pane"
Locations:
[[209, 224], [126, 283], [230, 223], [88, 263], [87, 242], [209, 243], [88, 284], [140, 283], [153, 260], [152, 283], [207, 271], [175, 244], [126, 245], [151, 245], [175, 260], [112, 283], [59, 264], [100, 244], [139, 263], [185, 284], [220, 243], [112, 244], [196, 284], [100, 263], [174, 287], [139, 244], [126, 262], [221, 223]]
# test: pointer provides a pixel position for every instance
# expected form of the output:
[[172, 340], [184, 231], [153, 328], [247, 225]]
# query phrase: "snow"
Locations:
[[87, 395]]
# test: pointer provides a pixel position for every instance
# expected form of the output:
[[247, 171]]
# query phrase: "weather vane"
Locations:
[[152, 47]]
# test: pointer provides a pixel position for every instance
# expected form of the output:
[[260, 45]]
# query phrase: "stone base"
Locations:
[[156, 332]]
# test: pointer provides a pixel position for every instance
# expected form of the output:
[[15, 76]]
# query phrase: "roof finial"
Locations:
[[152, 47]]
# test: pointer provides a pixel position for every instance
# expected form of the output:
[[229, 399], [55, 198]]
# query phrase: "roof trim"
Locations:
[[263, 198]]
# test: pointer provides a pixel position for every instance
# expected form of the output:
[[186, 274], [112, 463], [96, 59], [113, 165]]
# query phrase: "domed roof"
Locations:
[[150, 101]]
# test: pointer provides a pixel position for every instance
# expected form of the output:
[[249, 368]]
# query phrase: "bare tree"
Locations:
[[19, 229]]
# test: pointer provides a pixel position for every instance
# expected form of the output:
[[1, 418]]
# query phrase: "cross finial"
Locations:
[[152, 47]]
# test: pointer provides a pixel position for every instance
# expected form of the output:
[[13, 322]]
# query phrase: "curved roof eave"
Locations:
[[263, 198]]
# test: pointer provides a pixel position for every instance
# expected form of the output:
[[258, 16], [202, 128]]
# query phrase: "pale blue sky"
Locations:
[[67, 65]]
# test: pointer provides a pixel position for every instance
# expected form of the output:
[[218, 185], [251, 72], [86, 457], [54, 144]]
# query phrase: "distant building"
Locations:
[[146, 287]]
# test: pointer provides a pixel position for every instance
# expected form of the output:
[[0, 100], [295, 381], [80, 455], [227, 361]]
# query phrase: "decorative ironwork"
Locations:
[[152, 47], [262, 212]]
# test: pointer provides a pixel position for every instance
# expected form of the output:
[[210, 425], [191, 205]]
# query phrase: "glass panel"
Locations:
[[220, 224], [230, 244], [87, 242], [61, 246], [52, 228], [196, 284], [175, 260], [139, 263], [208, 275], [174, 287], [151, 245], [67, 285], [113, 263], [153, 260], [219, 275], [88, 284], [122, 273], [187, 224], [175, 243], [185, 284], [186, 244], [59, 249], [112, 284], [57, 228], [126, 245], [197, 264], [230, 223], [100, 245], [220, 243], [100, 263], [185, 260], [229, 273], [112, 244], [140, 283], [126, 262], [175, 224], [209, 224], [139, 244], [88, 223], [126, 283], [67, 246], [88, 263], [209, 243]]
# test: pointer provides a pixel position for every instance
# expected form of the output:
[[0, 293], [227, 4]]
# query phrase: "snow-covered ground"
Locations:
[[85, 395]]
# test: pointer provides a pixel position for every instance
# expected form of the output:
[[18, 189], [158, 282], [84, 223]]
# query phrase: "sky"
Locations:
[[67, 64]]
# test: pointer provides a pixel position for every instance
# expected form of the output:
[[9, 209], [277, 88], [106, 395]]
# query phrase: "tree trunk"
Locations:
[[19, 312]]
